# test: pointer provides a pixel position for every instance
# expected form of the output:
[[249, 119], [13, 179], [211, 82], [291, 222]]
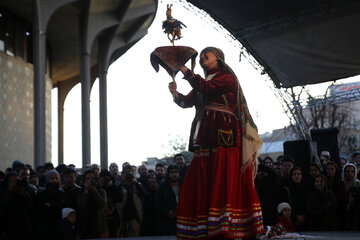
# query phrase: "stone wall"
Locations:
[[17, 112]]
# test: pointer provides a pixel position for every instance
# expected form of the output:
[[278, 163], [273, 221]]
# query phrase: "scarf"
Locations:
[[251, 141]]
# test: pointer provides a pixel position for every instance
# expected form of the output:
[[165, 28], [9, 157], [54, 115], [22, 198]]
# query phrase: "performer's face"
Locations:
[[208, 61]]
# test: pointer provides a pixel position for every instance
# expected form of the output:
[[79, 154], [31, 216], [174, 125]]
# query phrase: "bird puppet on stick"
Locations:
[[172, 58]]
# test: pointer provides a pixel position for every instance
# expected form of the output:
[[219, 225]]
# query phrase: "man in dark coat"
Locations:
[[49, 204], [166, 202], [70, 188], [17, 204], [148, 227]]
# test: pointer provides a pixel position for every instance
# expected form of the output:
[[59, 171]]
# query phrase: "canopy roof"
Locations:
[[297, 42]]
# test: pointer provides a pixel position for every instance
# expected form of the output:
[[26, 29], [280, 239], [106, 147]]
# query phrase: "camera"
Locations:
[[129, 176]]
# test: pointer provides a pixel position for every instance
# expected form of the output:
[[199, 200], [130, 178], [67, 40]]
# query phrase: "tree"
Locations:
[[328, 114], [177, 145]]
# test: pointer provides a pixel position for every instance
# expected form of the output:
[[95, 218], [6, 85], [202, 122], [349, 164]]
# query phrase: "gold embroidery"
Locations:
[[225, 137]]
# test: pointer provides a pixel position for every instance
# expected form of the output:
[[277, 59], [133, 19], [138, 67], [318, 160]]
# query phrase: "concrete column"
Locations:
[[39, 42], [103, 119], [85, 90], [60, 126]]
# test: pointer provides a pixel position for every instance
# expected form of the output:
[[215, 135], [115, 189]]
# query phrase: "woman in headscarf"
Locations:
[[350, 176], [218, 197], [321, 206]]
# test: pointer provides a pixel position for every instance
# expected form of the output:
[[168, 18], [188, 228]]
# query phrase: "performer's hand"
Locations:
[[172, 87], [183, 69]]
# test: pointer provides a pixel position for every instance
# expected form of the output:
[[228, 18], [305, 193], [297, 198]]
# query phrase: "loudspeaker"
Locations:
[[304, 152], [327, 140]]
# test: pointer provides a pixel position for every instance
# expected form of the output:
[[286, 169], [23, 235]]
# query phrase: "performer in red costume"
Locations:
[[218, 198]]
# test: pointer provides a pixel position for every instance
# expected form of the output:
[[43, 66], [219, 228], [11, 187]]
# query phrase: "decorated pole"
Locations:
[[172, 58]]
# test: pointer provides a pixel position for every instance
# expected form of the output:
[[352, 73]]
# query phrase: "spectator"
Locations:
[[17, 165], [130, 209], [23, 172], [34, 180], [149, 223], [134, 170], [267, 185], [350, 178], [166, 202], [324, 158], [90, 205], [337, 186], [335, 183], [40, 170], [284, 217], [48, 167], [70, 188], [160, 173], [151, 173], [280, 158], [342, 163], [66, 228], [72, 166], [143, 177], [352, 210], [114, 171], [180, 162], [60, 169], [356, 157], [314, 170], [17, 211], [286, 165], [298, 198], [124, 165], [96, 169], [268, 162], [322, 214], [113, 199], [277, 168], [49, 204], [8, 170]]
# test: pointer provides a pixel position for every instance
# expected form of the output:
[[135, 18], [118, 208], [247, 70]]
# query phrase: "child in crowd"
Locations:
[[284, 217], [284, 227], [67, 225]]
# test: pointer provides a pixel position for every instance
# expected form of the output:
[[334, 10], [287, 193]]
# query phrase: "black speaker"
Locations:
[[327, 140], [304, 152]]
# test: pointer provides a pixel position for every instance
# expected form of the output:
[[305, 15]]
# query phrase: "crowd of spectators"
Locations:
[[67, 203], [324, 197]]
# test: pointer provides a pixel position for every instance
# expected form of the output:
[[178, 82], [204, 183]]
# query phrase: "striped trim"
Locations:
[[229, 221]]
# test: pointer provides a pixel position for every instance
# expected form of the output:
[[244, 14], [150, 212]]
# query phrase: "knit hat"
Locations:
[[16, 164], [66, 211], [283, 205], [49, 173]]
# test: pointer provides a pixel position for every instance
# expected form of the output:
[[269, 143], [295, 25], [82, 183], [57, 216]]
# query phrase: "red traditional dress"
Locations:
[[218, 196]]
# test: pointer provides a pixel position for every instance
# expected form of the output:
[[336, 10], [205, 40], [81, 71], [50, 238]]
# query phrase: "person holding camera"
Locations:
[[17, 209], [90, 205], [130, 208], [113, 200]]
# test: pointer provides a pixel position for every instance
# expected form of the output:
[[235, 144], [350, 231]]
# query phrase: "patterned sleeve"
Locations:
[[185, 101], [221, 83]]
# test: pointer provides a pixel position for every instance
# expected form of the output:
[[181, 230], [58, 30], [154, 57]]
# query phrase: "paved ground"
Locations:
[[304, 236]]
